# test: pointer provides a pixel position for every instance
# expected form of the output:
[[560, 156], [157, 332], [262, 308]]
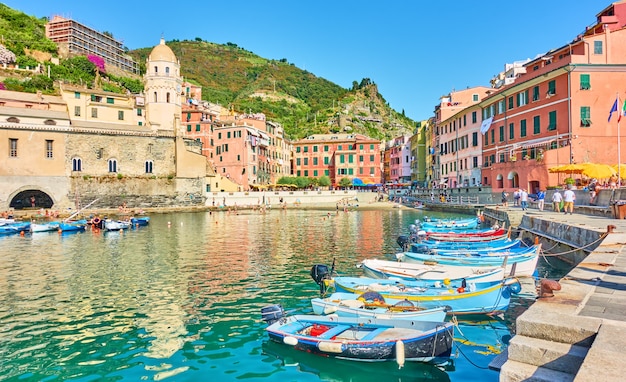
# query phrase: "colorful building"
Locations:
[[556, 111], [352, 156]]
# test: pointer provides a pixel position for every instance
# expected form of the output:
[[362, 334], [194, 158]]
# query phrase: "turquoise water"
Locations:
[[180, 300]]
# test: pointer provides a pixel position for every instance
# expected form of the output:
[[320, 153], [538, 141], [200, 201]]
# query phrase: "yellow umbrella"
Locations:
[[574, 168], [598, 170], [622, 170]]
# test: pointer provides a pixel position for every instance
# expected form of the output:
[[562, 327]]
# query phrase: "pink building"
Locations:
[[399, 160], [555, 111]]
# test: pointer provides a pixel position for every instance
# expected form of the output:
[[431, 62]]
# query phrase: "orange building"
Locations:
[[338, 156], [555, 111]]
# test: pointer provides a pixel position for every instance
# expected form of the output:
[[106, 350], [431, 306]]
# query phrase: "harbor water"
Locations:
[[180, 300]]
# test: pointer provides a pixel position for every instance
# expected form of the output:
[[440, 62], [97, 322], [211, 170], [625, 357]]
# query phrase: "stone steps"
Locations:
[[513, 371], [565, 358]]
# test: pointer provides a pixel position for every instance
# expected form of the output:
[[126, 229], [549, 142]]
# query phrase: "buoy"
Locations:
[[400, 354], [21, 233], [293, 341], [460, 289], [446, 281]]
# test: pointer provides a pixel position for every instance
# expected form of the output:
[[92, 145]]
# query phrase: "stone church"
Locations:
[[93, 146]]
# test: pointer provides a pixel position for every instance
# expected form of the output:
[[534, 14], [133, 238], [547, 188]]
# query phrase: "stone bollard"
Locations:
[[547, 287]]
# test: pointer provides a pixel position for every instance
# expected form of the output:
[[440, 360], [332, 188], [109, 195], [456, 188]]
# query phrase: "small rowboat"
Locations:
[[361, 339], [44, 227], [374, 305], [116, 225]]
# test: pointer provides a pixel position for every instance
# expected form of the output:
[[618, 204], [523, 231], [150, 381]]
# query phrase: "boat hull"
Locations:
[[411, 271], [370, 340]]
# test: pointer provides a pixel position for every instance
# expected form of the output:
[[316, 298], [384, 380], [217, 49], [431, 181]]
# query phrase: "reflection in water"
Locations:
[[284, 357], [182, 300]]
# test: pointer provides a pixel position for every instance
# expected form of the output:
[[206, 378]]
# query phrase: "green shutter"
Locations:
[[585, 82], [522, 128], [536, 124], [552, 120], [585, 116], [536, 93]]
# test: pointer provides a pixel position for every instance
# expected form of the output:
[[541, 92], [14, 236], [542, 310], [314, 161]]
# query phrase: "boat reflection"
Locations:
[[481, 341], [331, 369]]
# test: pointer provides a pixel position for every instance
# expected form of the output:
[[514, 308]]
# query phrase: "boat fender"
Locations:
[[515, 287], [330, 347], [460, 290], [400, 356], [289, 340]]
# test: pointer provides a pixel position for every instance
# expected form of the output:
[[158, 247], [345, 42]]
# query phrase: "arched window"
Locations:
[[156, 69], [112, 165], [155, 97], [13, 120], [77, 164], [49, 122], [149, 167], [167, 97], [167, 70]]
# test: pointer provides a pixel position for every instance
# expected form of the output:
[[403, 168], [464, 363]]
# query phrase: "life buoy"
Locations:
[[96, 221]]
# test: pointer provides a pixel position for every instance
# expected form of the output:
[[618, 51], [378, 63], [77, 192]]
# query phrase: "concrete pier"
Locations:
[[579, 334]]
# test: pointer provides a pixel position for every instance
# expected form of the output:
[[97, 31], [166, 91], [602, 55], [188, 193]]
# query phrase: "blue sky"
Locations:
[[414, 50]]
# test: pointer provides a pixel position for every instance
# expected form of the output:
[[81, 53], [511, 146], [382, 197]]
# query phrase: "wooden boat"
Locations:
[[461, 297], [73, 225], [140, 221], [473, 247], [116, 225], [361, 339], [487, 234], [14, 228], [383, 269], [450, 225], [518, 261], [44, 227], [374, 305]]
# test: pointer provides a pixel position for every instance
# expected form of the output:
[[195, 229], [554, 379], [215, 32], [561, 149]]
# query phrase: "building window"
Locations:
[[110, 100], [493, 136], [120, 115], [156, 99], [306, 149], [511, 131], [474, 117], [325, 148], [156, 69], [298, 149], [474, 97], [77, 164], [501, 131], [197, 127], [510, 103], [315, 161], [585, 116], [535, 93], [314, 149], [585, 82], [298, 162], [501, 107], [49, 152], [552, 120], [326, 160], [167, 97], [522, 128], [76, 111], [551, 88], [149, 166], [94, 112], [12, 147], [597, 47], [167, 70], [188, 127], [112, 165], [140, 123], [536, 124], [522, 98], [475, 139], [139, 112]]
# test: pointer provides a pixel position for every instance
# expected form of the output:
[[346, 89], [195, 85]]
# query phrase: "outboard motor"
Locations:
[[319, 273], [421, 249], [403, 241], [272, 313], [413, 228]]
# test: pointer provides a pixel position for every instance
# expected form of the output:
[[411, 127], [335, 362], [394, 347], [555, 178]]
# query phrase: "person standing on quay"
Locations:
[[557, 198], [541, 196], [568, 199], [523, 198]]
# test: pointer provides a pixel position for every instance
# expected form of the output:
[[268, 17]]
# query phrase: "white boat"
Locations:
[[372, 304], [438, 272], [44, 227], [116, 225]]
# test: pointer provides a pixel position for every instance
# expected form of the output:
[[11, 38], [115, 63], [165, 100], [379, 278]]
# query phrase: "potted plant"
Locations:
[[569, 181]]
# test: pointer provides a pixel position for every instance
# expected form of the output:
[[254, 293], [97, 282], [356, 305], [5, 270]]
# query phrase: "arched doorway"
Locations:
[[513, 178], [499, 181], [31, 199]]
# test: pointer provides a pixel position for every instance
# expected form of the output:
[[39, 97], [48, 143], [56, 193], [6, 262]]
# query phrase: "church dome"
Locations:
[[162, 52]]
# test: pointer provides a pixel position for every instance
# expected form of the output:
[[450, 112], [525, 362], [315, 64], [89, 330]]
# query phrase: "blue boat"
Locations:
[[460, 296], [473, 247], [73, 226], [361, 339], [140, 221], [463, 224], [372, 304], [14, 228], [519, 261]]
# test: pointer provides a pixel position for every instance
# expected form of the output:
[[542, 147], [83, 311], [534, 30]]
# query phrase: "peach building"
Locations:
[[556, 110], [399, 150], [338, 156], [456, 133]]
